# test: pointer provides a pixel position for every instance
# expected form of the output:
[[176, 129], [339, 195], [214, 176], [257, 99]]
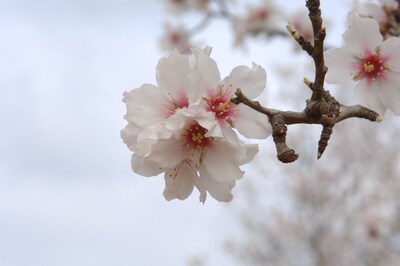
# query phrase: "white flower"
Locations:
[[177, 6], [372, 63], [176, 38], [301, 22], [383, 13], [217, 95], [152, 104], [182, 126], [192, 151], [259, 19], [368, 10]]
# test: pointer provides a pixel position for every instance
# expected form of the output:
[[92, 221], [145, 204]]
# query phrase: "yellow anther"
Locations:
[[368, 67], [197, 138]]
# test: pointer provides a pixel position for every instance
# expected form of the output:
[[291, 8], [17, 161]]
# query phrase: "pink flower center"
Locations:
[[261, 14], [175, 37], [195, 137], [178, 102], [219, 102], [371, 67]]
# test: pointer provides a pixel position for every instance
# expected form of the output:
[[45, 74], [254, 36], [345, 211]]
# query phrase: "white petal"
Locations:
[[200, 186], [144, 105], [172, 75], [222, 162], [339, 63], [148, 136], [251, 81], [368, 96], [363, 35], [390, 49], [218, 190], [167, 153], [179, 182], [129, 135], [207, 69], [250, 151], [389, 92], [145, 167], [251, 123]]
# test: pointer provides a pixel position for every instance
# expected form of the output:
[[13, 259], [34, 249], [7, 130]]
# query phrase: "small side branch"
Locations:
[[284, 153]]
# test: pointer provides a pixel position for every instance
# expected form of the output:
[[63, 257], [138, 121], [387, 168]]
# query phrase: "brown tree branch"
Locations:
[[331, 112]]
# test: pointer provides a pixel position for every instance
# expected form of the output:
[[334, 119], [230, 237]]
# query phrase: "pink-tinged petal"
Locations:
[[251, 81], [172, 75], [367, 94], [179, 182], [389, 91], [220, 191], [145, 167], [363, 35], [167, 153], [339, 63], [221, 161], [129, 135], [390, 50], [251, 123], [144, 105]]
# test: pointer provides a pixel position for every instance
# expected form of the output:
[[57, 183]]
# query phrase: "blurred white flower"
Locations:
[[301, 22], [372, 63], [259, 19], [368, 10], [177, 6], [176, 38], [381, 12]]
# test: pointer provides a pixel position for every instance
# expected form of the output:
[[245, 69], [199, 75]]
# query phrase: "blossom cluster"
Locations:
[[183, 127]]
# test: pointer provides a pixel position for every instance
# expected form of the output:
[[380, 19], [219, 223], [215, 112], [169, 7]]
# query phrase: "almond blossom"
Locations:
[[217, 95], [381, 12], [177, 6], [373, 64], [176, 38], [259, 19], [182, 126]]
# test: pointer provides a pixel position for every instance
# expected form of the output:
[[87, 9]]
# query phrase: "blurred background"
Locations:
[[69, 197]]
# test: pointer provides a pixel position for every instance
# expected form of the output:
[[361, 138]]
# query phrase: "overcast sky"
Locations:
[[67, 193]]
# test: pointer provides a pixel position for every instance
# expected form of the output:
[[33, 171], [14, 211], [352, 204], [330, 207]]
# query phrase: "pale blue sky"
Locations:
[[67, 193]]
